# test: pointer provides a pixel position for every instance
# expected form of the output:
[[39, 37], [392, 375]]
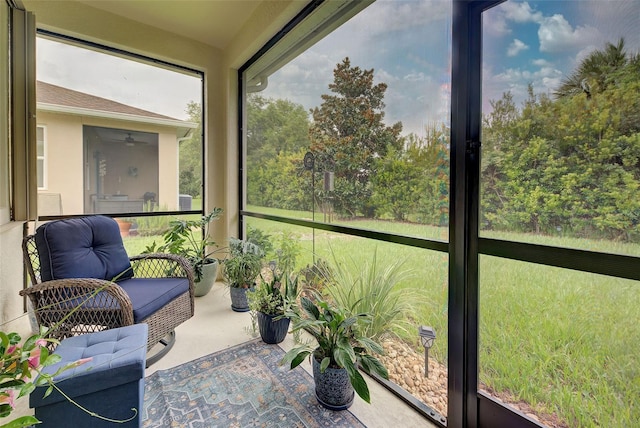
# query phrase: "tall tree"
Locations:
[[348, 134], [275, 126], [570, 164], [595, 72], [277, 137], [190, 155]]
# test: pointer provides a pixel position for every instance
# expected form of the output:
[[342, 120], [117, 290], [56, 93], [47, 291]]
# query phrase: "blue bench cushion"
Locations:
[[148, 295], [118, 357], [83, 247]]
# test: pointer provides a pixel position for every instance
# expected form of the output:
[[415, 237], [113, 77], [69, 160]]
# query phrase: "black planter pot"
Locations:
[[272, 331], [239, 302], [333, 388]]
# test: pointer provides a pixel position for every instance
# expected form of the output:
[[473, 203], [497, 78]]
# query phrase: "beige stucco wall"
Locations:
[[63, 155], [220, 69], [64, 139]]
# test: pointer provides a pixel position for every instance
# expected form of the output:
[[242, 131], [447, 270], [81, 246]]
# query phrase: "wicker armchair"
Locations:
[[156, 289]]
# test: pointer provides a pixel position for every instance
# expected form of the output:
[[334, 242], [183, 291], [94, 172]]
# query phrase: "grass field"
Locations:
[[565, 342]]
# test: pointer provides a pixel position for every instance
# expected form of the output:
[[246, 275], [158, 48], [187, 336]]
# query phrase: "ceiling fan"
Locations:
[[129, 140]]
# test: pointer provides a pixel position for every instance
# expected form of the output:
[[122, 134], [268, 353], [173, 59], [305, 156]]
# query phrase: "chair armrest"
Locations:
[[162, 265], [79, 305]]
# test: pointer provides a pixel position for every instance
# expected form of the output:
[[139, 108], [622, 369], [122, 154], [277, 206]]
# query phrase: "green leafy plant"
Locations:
[[375, 287], [189, 238], [20, 363], [260, 238], [339, 342], [276, 294], [153, 225], [243, 264]]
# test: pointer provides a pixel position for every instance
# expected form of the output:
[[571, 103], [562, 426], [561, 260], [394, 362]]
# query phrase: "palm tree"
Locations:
[[594, 74]]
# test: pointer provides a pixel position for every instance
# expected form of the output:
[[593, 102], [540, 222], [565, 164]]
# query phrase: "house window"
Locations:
[[41, 150], [123, 134]]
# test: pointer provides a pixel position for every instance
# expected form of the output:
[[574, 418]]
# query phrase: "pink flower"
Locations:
[[8, 396], [11, 349], [41, 342], [34, 358]]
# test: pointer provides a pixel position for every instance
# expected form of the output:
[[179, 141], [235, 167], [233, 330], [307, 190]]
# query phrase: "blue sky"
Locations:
[[406, 42]]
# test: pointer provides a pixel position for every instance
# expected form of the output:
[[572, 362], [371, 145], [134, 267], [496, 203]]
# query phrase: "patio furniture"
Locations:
[[83, 281], [111, 385]]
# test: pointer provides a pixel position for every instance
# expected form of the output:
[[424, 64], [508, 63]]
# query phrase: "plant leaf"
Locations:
[[360, 385], [324, 364], [23, 421], [371, 364]]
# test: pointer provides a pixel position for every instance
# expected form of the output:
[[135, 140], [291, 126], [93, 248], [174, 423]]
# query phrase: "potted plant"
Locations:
[[339, 354], [270, 300], [190, 238], [124, 224], [240, 270]]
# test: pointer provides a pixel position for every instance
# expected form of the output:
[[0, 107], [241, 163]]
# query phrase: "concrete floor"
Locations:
[[215, 326]]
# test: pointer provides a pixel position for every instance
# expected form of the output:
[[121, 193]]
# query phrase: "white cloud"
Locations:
[[516, 47], [417, 77], [557, 35], [540, 62], [129, 82], [388, 16], [520, 12], [497, 22]]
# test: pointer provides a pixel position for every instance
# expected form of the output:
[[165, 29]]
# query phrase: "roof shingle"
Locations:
[[57, 95]]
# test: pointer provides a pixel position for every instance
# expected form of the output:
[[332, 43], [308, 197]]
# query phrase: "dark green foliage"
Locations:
[[570, 165], [190, 239], [415, 181], [191, 155], [348, 134], [566, 165], [340, 343], [277, 138]]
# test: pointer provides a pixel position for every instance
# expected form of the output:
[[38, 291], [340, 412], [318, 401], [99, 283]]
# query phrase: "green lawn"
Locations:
[[564, 341]]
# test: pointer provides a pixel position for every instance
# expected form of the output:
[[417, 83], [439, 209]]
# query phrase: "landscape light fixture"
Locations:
[[427, 337]]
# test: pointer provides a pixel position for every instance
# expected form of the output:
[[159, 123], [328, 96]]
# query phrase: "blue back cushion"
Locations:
[[83, 247]]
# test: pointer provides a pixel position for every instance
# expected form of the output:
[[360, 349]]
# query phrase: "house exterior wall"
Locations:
[[63, 158], [66, 161]]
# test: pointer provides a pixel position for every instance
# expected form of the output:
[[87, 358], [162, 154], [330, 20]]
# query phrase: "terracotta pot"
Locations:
[[124, 226]]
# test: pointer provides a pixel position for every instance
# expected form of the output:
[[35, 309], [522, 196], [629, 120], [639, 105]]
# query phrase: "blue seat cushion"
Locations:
[[82, 247], [148, 295], [117, 357]]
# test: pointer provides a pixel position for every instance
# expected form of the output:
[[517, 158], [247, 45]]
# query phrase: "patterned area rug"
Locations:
[[243, 386]]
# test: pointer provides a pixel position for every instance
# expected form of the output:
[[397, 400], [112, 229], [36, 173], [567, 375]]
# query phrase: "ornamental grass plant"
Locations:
[[378, 287]]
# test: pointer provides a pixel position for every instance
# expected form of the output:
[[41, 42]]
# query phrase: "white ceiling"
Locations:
[[213, 22]]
